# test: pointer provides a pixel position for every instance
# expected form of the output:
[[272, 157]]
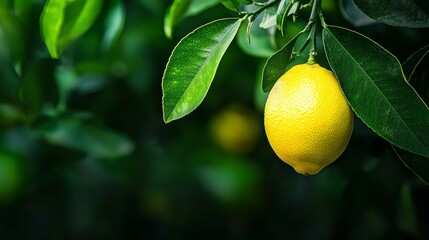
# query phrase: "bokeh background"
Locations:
[[85, 154]]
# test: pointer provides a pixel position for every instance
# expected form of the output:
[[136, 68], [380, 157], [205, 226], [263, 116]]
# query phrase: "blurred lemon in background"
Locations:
[[236, 129]]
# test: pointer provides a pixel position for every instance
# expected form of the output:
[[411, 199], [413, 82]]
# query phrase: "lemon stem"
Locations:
[[315, 12]]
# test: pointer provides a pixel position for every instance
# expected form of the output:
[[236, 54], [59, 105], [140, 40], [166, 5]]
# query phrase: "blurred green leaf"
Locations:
[[51, 21], [412, 62], [407, 219], [245, 1], [174, 14], [9, 83], [233, 5], [277, 64], [184, 8], [92, 140], [192, 66], [197, 6], [11, 37], [62, 22], [79, 17], [38, 87], [115, 22], [11, 108], [260, 44], [230, 180], [399, 13], [419, 165], [282, 13], [373, 82], [11, 176]]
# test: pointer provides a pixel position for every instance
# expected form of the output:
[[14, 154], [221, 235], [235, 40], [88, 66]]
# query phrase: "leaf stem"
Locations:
[[263, 6], [312, 27]]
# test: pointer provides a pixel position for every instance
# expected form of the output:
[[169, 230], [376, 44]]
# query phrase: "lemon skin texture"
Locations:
[[307, 119]]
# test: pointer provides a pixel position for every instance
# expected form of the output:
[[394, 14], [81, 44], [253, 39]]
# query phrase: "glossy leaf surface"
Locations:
[[269, 17], [276, 65], [282, 12], [174, 14], [192, 67], [399, 13], [373, 82], [63, 21], [233, 5], [114, 24], [50, 23], [197, 6]]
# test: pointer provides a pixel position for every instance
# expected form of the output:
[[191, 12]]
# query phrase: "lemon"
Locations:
[[236, 129], [307, 119]]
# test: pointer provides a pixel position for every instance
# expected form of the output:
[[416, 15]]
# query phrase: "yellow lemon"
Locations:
[[307, 119], [236, 129]]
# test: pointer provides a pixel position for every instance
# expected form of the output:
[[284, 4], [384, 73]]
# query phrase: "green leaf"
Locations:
[[413, 61], [373, 82], [192, 66], [114, 24], [63, 21], [269, 17], [233, 5], [175, 14], [419, 165], [282, 12], [38, 87], [95, 141], [260, 44], [79, 17], [198, 6], [12, 46], [399, 13], [247, 2], [51, 21], [277, 65]]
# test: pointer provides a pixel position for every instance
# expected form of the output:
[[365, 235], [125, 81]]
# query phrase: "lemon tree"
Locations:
[[371, 80]]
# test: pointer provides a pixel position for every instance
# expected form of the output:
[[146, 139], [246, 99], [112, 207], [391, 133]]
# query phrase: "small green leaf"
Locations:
[[198, 6], [373, 82], [269, 17], [94, 141], [247, 2], [114, 24], [175, 14], [233, 5], [413, 61], [12, 46], [419, 165], [399, 13], [79, 17], [192, 66], [277, 65], [62, 21], [51, 21], [260, 44], [282, 13]]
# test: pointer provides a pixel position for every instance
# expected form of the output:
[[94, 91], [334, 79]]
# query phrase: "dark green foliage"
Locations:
[[85, 153]]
